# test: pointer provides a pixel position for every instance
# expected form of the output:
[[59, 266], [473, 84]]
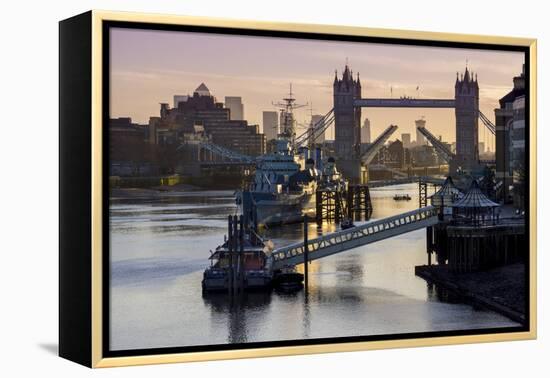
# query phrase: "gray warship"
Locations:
[[284, 187]]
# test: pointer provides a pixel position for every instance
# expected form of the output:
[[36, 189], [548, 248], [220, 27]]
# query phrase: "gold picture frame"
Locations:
[[81, 311]]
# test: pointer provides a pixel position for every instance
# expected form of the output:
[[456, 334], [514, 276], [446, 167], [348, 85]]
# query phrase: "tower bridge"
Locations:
[[346, 117], [348, 103]]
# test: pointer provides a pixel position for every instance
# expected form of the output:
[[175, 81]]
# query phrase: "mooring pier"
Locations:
[[335, 204], [464, 230], [468, 248]]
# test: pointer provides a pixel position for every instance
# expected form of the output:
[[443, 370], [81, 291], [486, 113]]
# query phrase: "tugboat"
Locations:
[[288, 279], [401, 197], [256, 265], [346, 224]]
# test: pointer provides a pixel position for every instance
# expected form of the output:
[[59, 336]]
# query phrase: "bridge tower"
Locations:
[[467, 115], [347, 124]]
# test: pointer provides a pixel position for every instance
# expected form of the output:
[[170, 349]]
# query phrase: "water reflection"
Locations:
[[236, 309], [160, 243]]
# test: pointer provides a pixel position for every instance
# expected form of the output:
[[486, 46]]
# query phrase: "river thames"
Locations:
[[160, 243]]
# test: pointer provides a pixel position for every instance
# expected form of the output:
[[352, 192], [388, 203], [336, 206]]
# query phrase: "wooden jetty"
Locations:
[[336, 204]]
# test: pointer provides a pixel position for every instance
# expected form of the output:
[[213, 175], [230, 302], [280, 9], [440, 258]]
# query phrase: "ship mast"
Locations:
[[288, 123]]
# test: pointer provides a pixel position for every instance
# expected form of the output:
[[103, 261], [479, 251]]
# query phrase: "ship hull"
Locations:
[[258, 280], [277, 209]]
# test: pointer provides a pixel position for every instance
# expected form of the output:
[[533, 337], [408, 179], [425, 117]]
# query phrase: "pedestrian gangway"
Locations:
[[341, 241]]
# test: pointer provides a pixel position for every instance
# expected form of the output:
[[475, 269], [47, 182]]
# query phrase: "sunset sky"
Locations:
[[149, 67]]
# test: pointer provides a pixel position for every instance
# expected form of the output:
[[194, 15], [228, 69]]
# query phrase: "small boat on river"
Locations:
[[346, 224], [288, 279], [401, 197]]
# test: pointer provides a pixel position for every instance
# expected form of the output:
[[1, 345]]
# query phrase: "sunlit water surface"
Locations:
[[160, 243]]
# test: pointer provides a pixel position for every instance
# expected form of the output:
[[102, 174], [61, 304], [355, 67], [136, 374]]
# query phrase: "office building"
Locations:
[[236, 108], [202, 114], [424, 156], [406, 139], [202, 90], [270, 125], [129, 152], [365, 131], [420, 139], [517, 154], [507, 116], [179, 98], [315, 119], [481, 147]]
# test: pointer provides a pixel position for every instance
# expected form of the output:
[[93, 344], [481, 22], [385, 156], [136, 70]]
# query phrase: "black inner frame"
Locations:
[[107, 25]]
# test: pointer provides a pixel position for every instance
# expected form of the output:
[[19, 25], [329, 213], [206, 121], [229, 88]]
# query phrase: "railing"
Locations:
[[487, 222], [354, 237]]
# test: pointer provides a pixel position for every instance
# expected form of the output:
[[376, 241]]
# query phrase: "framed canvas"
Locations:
[[234, 189]]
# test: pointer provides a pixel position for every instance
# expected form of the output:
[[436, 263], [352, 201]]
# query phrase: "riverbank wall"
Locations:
[[479, 246], [501, 289], [151, 182]]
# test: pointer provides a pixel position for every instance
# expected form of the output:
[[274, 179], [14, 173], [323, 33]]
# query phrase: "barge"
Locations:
[[250, 264]]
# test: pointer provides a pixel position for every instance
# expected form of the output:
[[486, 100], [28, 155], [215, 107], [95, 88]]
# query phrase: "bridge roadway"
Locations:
[[341, 241], [405, 102]]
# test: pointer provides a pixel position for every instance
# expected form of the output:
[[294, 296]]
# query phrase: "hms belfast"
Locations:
[[285, 182]]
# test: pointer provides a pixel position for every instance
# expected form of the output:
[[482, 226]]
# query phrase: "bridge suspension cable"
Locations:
[[487, 122], [314, 132]]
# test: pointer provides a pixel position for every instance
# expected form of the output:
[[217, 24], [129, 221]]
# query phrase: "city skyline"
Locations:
[[260, 69]]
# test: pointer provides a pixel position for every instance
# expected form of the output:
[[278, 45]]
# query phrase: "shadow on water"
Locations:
[[222, 302], [350, 269], [440, 294], [443, 295]]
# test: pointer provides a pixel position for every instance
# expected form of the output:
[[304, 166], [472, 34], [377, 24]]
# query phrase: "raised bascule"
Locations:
[[348, 102]]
